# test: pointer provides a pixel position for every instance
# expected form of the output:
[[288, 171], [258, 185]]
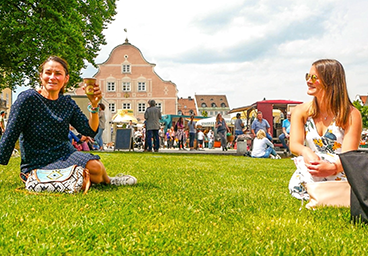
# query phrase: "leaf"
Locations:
[[31, 31]]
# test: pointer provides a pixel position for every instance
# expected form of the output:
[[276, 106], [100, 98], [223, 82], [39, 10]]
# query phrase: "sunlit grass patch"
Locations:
[[182, 204]]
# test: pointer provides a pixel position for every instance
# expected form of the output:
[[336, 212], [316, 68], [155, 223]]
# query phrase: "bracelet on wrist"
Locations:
[[93, 109]]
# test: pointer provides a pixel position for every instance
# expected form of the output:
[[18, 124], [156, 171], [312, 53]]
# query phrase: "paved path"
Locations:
[[215, 151]]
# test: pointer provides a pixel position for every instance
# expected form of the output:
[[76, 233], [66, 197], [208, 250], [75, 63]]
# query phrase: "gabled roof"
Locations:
[[186, 105], [363, 98], [209, 99]]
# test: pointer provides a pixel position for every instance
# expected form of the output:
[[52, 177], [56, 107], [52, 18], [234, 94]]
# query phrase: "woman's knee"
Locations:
[[97, 170]]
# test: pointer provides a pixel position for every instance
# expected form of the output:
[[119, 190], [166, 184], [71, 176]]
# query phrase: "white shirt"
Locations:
[[259, 146], [200, 135], [210, 136]]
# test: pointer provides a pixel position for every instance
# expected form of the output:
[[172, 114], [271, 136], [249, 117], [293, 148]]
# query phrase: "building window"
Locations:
[[141, 107], [126, 68], [158, 105], [126, 106], [112, 107], [204, 105], [141, 86], [180, 113], [126, 87], [110, 86], [213, 105], [223, 105], [191, 112]]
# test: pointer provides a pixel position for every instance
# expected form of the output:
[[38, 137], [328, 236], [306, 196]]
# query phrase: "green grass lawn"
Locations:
[[183, 204]]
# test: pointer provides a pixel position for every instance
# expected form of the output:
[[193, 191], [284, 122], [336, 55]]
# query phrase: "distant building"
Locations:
[[362, 99], [187, 106], [6, 100], [211, 105], [127, 81]]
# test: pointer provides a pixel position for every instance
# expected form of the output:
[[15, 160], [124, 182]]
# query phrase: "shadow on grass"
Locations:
[[107, 187]]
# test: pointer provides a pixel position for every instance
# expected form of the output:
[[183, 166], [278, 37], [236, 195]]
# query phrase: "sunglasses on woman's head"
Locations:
[[311, 77]]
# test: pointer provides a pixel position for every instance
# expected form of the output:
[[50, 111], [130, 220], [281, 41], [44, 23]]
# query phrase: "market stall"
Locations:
[[121, 119]]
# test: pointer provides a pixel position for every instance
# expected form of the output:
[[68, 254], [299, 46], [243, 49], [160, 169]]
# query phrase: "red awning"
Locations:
[[274, 103]]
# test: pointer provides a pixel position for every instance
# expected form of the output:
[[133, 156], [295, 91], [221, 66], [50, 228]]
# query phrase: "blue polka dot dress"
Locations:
[[42, 126]]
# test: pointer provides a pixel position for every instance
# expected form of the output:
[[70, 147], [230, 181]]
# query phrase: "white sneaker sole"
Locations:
[[131, 180]]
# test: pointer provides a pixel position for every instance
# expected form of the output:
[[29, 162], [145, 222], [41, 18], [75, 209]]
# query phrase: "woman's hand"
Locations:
[[95, 97], [321, 168], [309, 156]]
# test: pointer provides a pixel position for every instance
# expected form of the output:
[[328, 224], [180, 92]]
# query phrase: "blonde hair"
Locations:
[[332, 77], [261, 134]]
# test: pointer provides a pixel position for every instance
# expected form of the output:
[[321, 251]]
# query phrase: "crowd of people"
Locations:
[[186, 135], [181, 135]]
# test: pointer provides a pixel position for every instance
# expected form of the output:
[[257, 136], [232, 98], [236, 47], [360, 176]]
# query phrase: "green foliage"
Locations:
[[31, 31], [363, 111], [182, 205]]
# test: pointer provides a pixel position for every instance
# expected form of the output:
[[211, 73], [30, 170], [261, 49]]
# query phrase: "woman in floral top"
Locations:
[[323, 128]]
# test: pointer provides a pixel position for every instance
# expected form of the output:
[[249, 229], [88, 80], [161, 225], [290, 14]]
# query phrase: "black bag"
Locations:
[[176, 127], [355, 164]]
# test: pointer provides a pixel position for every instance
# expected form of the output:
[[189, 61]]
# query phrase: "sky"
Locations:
[[246, 49]]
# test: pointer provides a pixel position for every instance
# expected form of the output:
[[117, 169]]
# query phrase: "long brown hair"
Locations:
[[180, 121], [332, 77], [191, 119], [218, 117]]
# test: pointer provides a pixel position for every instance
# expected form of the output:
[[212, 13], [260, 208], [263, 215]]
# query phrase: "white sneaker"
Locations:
[[273, 157], [122, 179], [277, 156]]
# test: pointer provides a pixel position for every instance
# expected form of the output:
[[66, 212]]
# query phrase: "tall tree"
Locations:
[[32, 30], [363, 111]]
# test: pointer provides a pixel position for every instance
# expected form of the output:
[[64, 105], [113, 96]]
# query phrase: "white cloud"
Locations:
[[247, 50]]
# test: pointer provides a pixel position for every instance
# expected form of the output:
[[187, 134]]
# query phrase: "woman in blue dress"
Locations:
[[41, 119]]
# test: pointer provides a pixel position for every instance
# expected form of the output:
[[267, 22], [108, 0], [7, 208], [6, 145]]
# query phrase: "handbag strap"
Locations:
[[23, 176], [86, 181]]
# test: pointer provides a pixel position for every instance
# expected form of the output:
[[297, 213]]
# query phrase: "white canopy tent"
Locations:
[[124, 116], [210, 122]]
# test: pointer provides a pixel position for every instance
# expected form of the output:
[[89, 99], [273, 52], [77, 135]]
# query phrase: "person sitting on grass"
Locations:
[[285, 132], [323, 128], [263, 147], [41, 119]]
